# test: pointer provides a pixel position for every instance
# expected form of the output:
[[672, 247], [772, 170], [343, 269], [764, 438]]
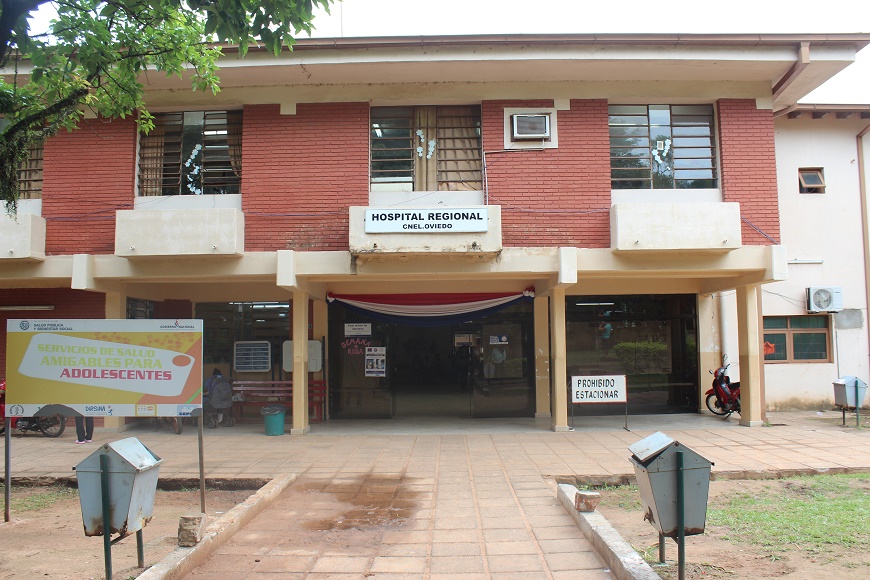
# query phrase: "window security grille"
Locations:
[[192, 153], [426, 148], [30, 174], [662, 147]]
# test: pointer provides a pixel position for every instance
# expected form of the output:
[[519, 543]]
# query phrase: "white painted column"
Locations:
[[300, 363], [559, 362], [751, 360], [542, 358]]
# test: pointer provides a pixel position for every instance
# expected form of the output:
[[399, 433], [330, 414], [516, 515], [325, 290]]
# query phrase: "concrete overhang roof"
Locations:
[[792, 65]]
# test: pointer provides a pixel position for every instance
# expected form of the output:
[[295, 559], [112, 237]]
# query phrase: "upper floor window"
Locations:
[[30, 174], [662, 147], [811, 180], [426, 148], [192, 153]]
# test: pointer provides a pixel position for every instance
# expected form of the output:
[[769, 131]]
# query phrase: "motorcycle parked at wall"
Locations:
[[724, 396], [50, 426]]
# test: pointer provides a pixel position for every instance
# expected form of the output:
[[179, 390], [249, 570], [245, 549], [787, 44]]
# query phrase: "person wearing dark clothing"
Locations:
[[84, 429]]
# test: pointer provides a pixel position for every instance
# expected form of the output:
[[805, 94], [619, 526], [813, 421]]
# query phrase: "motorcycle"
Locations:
[[724, 397], [50, 426]]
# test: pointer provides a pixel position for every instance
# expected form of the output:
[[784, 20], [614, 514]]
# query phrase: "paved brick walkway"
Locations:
[[430, 499]]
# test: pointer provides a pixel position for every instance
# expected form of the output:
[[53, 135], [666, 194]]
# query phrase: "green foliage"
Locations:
[[807, 513], [98, 51], [40, 498], [643, 356]]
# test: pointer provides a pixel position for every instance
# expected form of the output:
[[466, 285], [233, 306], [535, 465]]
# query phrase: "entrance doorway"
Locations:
[[480, 368], [429, 376]]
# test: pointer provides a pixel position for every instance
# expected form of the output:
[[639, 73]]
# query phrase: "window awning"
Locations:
[[429, 309]]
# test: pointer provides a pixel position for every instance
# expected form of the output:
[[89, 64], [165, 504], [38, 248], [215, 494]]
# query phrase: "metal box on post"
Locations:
[[133, 471], [655, 466], [849, 391]]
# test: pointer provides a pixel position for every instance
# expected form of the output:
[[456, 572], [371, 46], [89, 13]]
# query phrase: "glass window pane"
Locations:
[[693, 152], [659, 115], [629, 141], [636, 120], [628, 131], [627, 109], [692, 120], [691, 142], [693, 163], [694, 174], [693, 131], [774, 347], [692, 110], [810, 346], [775, 322], [808, 321]]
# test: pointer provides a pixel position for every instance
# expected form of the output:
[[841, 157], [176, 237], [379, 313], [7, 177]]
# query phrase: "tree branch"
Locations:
[[13, 10]]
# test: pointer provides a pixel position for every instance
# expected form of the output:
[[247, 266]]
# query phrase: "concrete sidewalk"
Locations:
[[428, 498]]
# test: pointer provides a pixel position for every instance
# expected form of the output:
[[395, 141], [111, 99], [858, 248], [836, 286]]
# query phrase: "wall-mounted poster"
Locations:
[[376, 361]]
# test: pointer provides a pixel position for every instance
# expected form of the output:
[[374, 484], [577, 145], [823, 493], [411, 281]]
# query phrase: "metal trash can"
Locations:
[[655, 466], [273, 418], [133, 472], [846, 389]]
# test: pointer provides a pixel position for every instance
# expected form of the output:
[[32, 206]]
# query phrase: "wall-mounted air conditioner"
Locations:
[[530, 126], [824, 299]]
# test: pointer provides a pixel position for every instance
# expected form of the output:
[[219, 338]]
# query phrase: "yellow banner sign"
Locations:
[[104, 367]]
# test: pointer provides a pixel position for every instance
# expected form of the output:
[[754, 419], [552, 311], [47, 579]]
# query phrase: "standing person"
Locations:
[[84, 429], [604, 328]]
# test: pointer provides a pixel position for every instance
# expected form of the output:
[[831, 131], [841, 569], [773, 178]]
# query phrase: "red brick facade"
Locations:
[[552, 197], [301, 172], [748, 168], [67, 304], [89, 174]]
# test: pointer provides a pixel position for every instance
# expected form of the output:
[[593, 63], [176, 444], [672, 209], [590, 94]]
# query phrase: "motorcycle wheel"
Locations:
[[52, 426], [176, 425], [714, 407]]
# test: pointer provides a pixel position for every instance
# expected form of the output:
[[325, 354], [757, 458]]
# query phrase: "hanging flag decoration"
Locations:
[[429, 309]]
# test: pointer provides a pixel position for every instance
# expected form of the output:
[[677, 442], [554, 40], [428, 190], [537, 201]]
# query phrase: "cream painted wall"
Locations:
[[823, 234]]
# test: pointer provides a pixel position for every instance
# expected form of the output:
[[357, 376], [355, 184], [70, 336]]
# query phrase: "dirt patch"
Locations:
[[49, 540], [711, 555]]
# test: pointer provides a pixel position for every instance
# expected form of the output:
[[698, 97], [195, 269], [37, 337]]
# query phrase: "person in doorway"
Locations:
[[605, 329], [84, 429]]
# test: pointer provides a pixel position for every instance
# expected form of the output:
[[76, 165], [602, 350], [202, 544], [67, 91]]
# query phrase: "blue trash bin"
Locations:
[[273, 419]]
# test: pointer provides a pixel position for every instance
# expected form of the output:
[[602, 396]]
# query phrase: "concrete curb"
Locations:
[[182, 561], [624, 562]]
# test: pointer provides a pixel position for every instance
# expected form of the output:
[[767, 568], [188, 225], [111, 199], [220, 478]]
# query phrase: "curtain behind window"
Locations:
[[459, 157]]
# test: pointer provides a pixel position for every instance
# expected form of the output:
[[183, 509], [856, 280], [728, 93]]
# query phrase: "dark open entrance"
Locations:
[[480, 368]]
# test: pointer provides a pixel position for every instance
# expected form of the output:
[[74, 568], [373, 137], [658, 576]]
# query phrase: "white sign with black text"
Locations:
[[427, 221], [598, 389]]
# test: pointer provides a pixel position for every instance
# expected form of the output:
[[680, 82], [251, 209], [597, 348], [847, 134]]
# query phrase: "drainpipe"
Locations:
[[865, 227]]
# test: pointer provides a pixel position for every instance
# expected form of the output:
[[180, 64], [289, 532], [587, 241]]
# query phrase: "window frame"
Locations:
[[804, 187], [673, 159], [789, 332], [30, 173], [424, 148], [179, 157]]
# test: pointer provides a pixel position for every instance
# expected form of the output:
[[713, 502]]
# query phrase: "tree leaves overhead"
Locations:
[[98, 50]]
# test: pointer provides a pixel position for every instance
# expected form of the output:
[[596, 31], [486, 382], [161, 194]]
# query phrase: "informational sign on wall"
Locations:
[[357, 328], [427, 221], [376, 361], [598, 389], [127, 368]]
